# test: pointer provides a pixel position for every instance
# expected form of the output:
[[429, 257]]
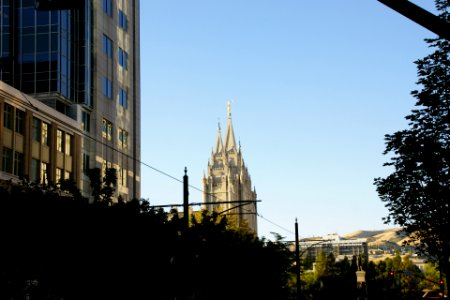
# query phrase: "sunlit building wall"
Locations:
[[81, 58], [36, 141]]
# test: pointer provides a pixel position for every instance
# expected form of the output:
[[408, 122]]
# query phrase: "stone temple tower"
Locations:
[[227, 186]]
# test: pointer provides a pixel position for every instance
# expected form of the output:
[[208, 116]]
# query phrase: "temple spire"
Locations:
[[230, 141], [227, 179], [219, 144]]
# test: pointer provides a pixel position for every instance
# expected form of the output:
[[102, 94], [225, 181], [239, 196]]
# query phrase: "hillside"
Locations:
[[383, 244], [379, 237]]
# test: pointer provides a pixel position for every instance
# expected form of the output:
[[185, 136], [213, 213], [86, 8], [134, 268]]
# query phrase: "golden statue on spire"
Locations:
[[229, 108]]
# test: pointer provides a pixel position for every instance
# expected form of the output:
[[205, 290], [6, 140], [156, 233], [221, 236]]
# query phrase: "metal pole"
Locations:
[[185, 199], [297, 261]]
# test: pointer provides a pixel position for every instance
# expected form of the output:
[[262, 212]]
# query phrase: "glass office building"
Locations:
[[46, 52], [81, 58]]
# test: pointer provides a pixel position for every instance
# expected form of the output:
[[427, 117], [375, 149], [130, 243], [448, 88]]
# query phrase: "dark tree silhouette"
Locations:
[[417, 192], [61, 248], [102, 188]]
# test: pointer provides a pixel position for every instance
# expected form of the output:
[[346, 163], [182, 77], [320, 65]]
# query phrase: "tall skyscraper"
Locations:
[[81, 58], [227, 186]]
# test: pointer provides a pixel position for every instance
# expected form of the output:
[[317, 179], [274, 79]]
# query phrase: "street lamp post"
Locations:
[[298, 254], [297, 262], [186, 199], [361, 284]]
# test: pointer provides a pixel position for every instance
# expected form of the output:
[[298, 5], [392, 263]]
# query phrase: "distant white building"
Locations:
[[333, 243]]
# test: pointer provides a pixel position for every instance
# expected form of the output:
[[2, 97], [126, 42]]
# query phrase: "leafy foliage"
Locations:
[[417, 193], [62, 247], [331, 279], [102, 188]]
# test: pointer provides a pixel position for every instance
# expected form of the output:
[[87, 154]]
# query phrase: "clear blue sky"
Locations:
[[314, 86]]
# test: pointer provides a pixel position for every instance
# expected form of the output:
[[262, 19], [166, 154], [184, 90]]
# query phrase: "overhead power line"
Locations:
[[179, 180]]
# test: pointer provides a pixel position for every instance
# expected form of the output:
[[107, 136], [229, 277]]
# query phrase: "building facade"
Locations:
[[227, 186], [81, 58], [37, 141], [333, 243]]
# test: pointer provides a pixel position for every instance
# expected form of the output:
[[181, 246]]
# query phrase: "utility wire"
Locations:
[[174, 178], [273, 223], [153, 168], [279, 226]]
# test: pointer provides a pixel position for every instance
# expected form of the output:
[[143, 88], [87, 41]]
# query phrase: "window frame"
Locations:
[[122, 19], [18, 163], [67, 144], [123, 58], [123, 138], [107, 7], [107, 128], [86, 121], [19, 121], [123, 97], [8, 111], [35, 170], [43, 174], [7, 160], [59, 141], [86, 164], [36, 129], [107, 46], [58, 175], [107, 87], [45, 133]]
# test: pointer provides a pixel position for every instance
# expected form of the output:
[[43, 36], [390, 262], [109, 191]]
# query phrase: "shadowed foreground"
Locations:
[[57, 247]]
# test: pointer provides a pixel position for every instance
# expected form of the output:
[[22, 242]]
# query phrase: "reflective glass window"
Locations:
[[107, 130], [7, 116], [110, 131], [27, 43], [5, 45], [123, 101], [54, 17], [107, 87], [44, 174], [107, 45], [85, 121], [59, 173], [20, 121], [29, 3], [35, 170], [36, 129], [7, 160], [54, 42], [123, 138], [45, 132], [123, 58], [107, 7], [43, 17], [5, 14], [59, 140], [42, 43], [27, 17], [122, 20], [67, 148], [85, 163], [18, 164]]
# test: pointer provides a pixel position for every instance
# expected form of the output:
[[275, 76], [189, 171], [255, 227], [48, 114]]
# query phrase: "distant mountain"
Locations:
[[379, 237]]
